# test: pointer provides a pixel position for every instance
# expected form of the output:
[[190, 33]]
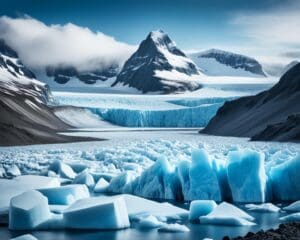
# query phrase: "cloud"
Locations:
[[40, 45]]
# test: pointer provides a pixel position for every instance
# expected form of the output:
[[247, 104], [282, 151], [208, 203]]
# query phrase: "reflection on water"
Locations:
[[198, 231]]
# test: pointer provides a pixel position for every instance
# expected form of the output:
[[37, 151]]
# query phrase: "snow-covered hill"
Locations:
[[159, 66], [215, 62]]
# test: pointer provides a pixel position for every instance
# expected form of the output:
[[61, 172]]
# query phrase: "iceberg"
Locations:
[[97, 213], [149, 222], [28, 210], [13, 171], [294, 217], [285, 179], [64, 170], [264, 207], [65, 195], [246, 176], [200, 208], [84, 178], [174, 228], [204, 182], [120, 182], [294, 207], [227, 214], [101, 186]]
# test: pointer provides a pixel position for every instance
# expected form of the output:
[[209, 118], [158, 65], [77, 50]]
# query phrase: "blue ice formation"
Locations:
[[65, 195], [246, 176], [197, 116], [194, 102], [200, 208], [25, 237], [240, 177]]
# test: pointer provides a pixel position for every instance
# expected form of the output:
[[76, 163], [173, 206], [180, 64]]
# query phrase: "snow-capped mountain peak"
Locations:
[[158, 65], [218, 62]]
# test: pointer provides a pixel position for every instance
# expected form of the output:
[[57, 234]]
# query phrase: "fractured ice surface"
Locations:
[[227, 214], [64, 170], [65, 195], [97, 213], [28, 210], [200, 208]]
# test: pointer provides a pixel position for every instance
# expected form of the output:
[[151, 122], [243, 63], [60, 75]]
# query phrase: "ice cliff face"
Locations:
[[217, 62], [158, 65]]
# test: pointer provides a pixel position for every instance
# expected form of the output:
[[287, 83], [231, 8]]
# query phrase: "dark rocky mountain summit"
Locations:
[[158, 65], [234, 61], [251, 116], [25, 117]]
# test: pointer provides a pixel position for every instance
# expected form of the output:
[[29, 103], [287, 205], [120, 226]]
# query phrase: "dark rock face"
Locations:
[[25, 117], [234, 60], [283, 131], [248, 116], [64, 74], [287, 231], [153, 55]]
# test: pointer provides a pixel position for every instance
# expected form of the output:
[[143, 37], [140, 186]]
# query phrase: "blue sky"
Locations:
[[260, 28]]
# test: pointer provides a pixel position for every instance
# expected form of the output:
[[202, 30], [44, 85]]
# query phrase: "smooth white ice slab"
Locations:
[[62, 169], [97, 213], [174, 228], [65, 195], [264, 207], [137, 206], [200, 208], [25, 237], [20, 184], [28, 210], [294, 217], [204, 183], [246, 176], [101, 186], [84, 178], [227, 214], [149, 222], [286, 180], [294, 207]]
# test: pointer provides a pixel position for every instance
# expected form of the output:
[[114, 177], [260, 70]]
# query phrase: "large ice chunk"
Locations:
[[149, 222], [294, 207], [138, 207], [200, 208], [118, 183], [28, 210], [264, 207], [246, 176], [286, 180], [173, 228], [227, 214], [20, 184], [204, 182], [160, 181], [64, 170], [84, 178], [97, 213], [13, 171], [294, 217], [65, 195], [101, 186]]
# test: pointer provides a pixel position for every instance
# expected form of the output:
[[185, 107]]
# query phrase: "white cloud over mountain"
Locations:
[[40, 45]]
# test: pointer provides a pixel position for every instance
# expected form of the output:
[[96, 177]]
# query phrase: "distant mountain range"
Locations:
[[158, 65], [215, 62]]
